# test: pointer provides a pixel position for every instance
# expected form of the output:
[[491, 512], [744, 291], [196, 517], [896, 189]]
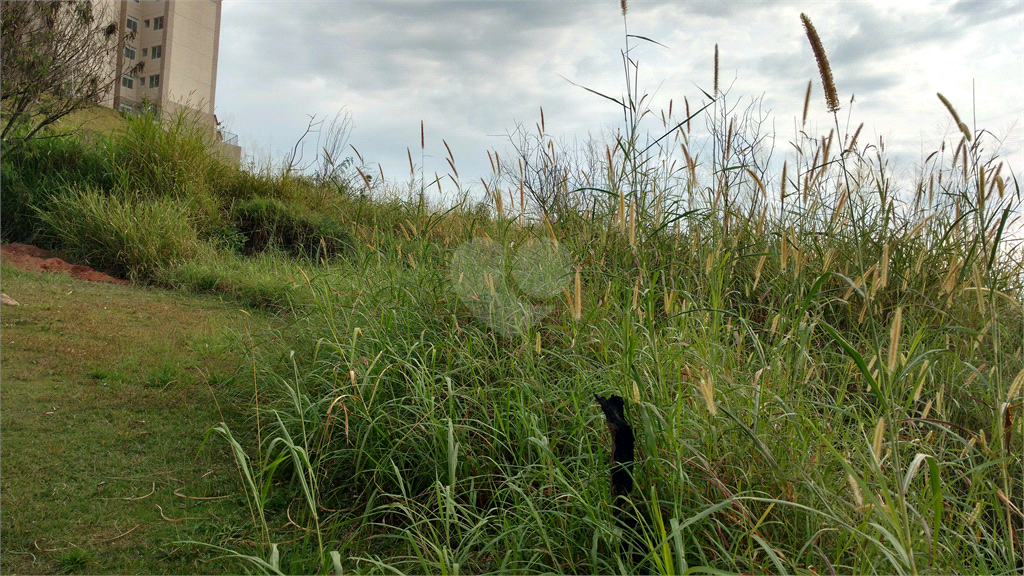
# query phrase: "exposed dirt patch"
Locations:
[[34, 259]]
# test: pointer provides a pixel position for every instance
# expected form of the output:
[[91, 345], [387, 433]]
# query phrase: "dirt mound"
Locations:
[[34, 259]]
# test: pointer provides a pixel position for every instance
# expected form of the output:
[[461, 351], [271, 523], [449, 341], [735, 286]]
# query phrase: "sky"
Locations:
[[472, 71]]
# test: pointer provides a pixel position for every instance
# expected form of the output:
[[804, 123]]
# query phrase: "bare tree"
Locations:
[[57, 56], [331, 141]]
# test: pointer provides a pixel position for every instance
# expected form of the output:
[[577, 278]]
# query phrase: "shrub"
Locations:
[[121, 236], [161, 153], [36, 170], [268, 222]]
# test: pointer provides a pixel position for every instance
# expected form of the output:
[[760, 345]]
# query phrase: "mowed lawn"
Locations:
[[107, 394]]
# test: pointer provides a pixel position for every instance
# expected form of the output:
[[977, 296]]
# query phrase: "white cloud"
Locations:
[[471, 70]]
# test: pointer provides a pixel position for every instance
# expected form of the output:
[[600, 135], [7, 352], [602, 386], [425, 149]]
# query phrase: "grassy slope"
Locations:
[[413, 420], [96, 119], [107, 392]]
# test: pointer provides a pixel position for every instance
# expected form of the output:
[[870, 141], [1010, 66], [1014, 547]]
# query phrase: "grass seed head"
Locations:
[[831, 97], [956, 117], [716, 70], [876, 443]]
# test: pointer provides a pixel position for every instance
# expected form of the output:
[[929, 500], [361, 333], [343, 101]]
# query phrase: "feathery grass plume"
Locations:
[[956, 117], [807, 103], [883, 276], [707, 390], [831, 98], [716, 70], [758, 269], [622, 3], [894, 339], [853, 141], [922, 377], [876, 442], [782, 184], [858, 498]]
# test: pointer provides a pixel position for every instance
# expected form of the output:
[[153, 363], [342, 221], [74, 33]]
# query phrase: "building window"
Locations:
[[127, 81], [157, 52], [145, 23], [129, 53], [126, 108], [154, 81], [144, 52], [132, 25], [158, 23]]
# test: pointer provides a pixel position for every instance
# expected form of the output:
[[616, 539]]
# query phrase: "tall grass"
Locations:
[[134, 238], [154, 202], [823, 371]]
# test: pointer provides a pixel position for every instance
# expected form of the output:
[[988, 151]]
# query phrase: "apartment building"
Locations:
[[178, 42]]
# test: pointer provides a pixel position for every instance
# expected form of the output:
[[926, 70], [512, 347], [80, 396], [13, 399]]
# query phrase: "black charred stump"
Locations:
[[623, 447]]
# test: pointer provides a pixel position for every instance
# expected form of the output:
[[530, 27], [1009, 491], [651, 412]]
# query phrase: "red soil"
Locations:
[[33, 259]]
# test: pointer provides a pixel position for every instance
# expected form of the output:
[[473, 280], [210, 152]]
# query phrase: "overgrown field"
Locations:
[[823, 370]]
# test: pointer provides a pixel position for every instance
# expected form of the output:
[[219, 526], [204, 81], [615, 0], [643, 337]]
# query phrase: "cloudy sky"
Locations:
[[470, 71]]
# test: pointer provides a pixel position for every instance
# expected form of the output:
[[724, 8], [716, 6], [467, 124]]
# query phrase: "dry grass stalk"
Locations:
[[807, 103], [782, 185], [956, 117], [670, 298], [707, 390], [831, 97], [876, 442], [758, 269], [1014, 391], [632, 223], [830, 256], [579, 292], [715, 93], [620, 216], [949, 282], [883, 279], [894, 339], [853, 141], [981, 190], [979, 287], [920, 382], [784, 256], [858, 498]]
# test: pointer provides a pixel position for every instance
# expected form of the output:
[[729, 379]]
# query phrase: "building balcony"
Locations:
[[229, 138]]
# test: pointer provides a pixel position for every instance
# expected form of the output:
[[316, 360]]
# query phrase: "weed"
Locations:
[[121, 236], [76, 561], [107, 375]]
